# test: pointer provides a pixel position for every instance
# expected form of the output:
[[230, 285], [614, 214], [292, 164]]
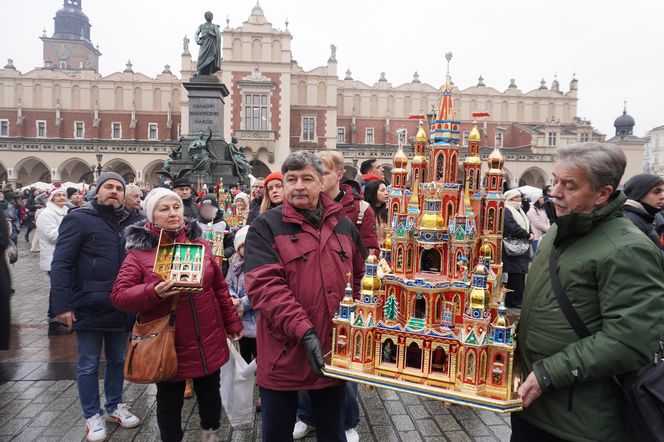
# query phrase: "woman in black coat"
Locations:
[[5, 284], [516, 226]]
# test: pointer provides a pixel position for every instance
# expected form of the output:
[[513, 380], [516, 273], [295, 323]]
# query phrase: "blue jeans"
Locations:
[[279, 409], [87, 373], [351, 414]]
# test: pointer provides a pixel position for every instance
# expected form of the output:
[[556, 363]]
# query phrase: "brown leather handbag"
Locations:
[[151, 355]]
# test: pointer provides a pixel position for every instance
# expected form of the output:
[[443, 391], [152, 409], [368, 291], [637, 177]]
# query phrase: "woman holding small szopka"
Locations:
[[203, 319], [241, 202], [516, 231]]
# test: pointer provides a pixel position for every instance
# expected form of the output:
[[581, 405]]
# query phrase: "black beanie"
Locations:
[[71, 191], [209, 199], [639, 185], [109, 176]]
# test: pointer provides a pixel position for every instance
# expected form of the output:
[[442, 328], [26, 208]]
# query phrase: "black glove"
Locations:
[[312, 349]]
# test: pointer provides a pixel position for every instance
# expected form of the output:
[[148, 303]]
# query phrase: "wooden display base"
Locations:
[[439, 394]]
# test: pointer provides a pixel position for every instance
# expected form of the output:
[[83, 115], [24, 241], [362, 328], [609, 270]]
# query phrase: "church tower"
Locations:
[[70, 47]]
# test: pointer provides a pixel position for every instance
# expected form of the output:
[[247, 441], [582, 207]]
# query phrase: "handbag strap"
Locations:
[[565, 304]]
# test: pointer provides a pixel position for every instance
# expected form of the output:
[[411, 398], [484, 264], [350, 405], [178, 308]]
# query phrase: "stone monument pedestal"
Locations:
[[206, 113]]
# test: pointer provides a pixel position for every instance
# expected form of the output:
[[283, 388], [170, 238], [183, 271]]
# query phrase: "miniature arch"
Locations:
[[414, 356], [4, 173]]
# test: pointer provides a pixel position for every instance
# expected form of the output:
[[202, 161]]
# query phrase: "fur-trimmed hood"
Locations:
[[145, 236]]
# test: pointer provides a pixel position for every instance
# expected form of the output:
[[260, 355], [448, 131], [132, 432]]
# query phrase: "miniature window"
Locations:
[[414, 356], [439, 361], [430, 261], [389, 352], [470, 366], [358, 345]]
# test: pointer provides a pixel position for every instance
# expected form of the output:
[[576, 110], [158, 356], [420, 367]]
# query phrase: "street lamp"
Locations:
[[98, 167]]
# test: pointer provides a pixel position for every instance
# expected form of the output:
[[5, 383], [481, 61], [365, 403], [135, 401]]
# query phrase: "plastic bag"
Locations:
[[237, 388]]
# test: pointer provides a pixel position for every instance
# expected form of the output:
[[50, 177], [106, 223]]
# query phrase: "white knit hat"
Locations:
[[52, 193], [240, 237], [152, 198], [511, 194], [242, 196]]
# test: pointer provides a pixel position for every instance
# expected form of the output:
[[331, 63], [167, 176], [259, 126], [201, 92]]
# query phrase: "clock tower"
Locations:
[[70, 47]]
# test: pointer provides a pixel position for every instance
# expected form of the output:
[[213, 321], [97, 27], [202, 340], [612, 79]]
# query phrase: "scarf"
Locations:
[[518, 214]]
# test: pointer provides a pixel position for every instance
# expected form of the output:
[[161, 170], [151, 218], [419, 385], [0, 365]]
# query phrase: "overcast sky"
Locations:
[[616, 48]]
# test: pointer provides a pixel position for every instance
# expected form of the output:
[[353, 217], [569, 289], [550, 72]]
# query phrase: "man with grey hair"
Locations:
[[299, 258], [132, 199], [586, 315]]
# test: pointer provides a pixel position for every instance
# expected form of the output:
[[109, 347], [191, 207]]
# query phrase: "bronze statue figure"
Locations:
[[208, 36], [174, 155], [201, 155], [237, 156]]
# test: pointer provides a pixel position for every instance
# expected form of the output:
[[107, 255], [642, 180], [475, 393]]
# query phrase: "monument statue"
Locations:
[[208, 36], [237, 156], [201, 155], [174, 155]]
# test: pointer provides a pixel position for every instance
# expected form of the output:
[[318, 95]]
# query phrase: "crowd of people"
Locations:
[[299, 237]]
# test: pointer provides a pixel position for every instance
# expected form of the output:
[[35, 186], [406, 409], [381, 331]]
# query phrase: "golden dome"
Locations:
[[495, 160], [388, 243], [428, 221], [370, 283], [480, 269], [400, 159], [474, 134], [421, 134], [418, 159], [479, 298], [486, 251], [501, 319], [371, 259]]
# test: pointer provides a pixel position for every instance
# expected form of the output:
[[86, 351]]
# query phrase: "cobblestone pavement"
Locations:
[[39, 400]]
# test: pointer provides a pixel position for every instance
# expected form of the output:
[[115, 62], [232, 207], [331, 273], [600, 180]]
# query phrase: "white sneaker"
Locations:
[[300, 430], [210, 436], [352, 436], [123, 416], [95, 428]]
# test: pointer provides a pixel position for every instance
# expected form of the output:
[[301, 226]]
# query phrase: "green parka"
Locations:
[[614, 276]]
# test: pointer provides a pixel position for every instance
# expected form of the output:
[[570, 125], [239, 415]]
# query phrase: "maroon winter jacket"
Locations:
[[202, 318], [367, 228], [296, 277]]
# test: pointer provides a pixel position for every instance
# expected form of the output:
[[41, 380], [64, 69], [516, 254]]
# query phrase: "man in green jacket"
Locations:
[[612, 274]]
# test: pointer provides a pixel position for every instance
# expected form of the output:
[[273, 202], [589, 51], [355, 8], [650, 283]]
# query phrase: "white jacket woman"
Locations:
[[48, 224]]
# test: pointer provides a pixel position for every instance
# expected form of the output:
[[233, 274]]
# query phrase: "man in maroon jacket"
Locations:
[[298, 256]]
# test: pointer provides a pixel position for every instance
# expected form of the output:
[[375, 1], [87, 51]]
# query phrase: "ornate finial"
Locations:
[[348, 75], [286, 24], [382, 77], [128, 69], [448, 57], [333, 53], [44, 32], [416, 78], [167, 69], [228, 21], [625, 108], [10, 64], [512, 83], [349, 275], [542, 84], [480, 81]]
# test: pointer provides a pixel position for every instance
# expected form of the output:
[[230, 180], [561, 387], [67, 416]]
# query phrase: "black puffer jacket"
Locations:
[[636, 213]]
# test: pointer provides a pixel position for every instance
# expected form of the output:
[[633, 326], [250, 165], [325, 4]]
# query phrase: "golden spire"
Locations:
[[421, 134], [474, 133], [414, 197], [400, 159]]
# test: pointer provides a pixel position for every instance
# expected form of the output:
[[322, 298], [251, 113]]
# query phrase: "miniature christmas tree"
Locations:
[[391, 309]]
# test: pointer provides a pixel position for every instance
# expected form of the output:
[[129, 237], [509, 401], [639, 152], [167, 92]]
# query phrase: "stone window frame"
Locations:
[[312, 136], [156, 131], [464, 137], [119, 123], [368, 130], [499, 138], [584, 137], [76, 123], [251, 92], [341, 135], [37, 124], [552, 138], [179, 130], [5, 122]]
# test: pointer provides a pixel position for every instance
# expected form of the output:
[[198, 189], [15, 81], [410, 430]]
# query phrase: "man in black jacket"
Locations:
[[645, 195], [86, 261], [182, 186]]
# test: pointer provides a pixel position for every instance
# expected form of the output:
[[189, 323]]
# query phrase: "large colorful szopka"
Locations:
[[435, 325]]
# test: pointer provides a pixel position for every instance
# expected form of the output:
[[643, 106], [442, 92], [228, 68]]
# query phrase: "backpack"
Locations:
[[360, 213]]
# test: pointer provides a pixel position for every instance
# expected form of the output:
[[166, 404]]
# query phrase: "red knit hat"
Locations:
[[273, 176]]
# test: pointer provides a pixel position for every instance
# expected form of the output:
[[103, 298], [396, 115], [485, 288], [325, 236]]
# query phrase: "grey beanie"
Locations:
[[109, 176], [639, 185]]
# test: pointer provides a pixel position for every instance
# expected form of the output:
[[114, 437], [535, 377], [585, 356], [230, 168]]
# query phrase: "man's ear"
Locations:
[[604, 195]]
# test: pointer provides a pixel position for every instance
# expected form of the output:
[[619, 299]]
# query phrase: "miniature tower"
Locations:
[[462, 238], [493, 206], [472, 167], [432, 232], [341, 353], [444, 136], [501, 355], [419, 163]]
